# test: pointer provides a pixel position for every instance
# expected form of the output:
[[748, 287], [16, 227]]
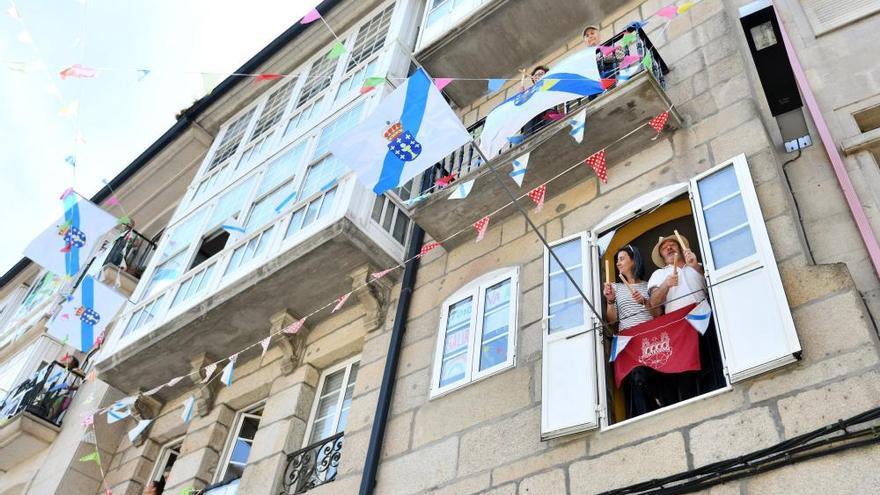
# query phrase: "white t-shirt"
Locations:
[[689, 280]]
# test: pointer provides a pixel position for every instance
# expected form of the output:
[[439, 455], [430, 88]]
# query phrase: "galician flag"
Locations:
[[700, 317], [574, 77], [86, 314], [65, 247], [412, 129]]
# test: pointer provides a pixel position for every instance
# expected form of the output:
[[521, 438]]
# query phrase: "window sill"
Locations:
[[435, 394], [708, 395]]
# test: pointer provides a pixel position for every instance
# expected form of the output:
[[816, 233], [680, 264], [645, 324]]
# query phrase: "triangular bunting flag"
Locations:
[[154, 390], [577, 126], [537, 195], [659, 121], [226, 377], [265, 345], [414, 201], [481, 225], [137, 430], [699, 317], [629, 60], [337, 51], [311, 16], [89, 437], [78, 71], [294, 327], [209, 372], [606, 50], [596, 161], [378, 275], [462, 190], [495, 84], [647, 62], [142, 73], [685, 7], [370, 83], [617, 345], [94, 456], [519, 168], [628, 39], [340, 301], [188, 409], [88, 420], [266, 77], [174, 381], [607, 83], [442, 82], [427, 248], [668, 12], [445, 180]]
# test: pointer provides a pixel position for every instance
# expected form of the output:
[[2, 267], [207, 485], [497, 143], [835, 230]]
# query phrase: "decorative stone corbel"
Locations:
[[144, 407], [374, 297], [204, 392], [292, 346]]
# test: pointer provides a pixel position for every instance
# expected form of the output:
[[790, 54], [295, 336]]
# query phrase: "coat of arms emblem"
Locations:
[[402, 143], [657, 351], [73, 237], [88, 315]]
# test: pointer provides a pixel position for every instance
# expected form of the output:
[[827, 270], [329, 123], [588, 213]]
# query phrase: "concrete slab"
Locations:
[[553, 151], [503, 36], [299, 280], [22, 437]]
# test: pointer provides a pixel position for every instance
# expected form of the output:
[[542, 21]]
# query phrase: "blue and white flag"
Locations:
[[188, 405], [86, 314], [137, 430], [412, 129], [519, 168], [577, 125], [226, 377], [700, 317], [118, 411], [65, 247], [574, 77], [462, 190], [617, 345]]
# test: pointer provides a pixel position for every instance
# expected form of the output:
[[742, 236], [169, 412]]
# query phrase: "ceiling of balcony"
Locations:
[[504, 36]]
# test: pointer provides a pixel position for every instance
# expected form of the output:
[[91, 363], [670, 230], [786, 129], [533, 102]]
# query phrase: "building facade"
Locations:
[[479, 367]]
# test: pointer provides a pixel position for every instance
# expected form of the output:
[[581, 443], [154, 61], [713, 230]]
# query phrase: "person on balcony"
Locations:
[[551, 114], [628, 305], [607, 63]]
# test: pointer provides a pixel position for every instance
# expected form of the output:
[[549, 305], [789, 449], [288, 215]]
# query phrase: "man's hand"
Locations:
[[672, 280], [690, 258]]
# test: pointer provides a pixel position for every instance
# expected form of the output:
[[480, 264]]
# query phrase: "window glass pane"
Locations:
[[726, 215], [318, 78], [400, 228], [732, 247], [569, 253], [264, 241], [295, 223], [231, 139], [282, 168], [249, 427], [274, 108], [376, 215], [568, 314], [181, 292], [370, 38], [166, 273], [320, 174], [264, 209], [240, 451], [327, 203], [325, 414], [346, 400], [496, 325], [312, 212], [230, 204], [338, 127], [718, 185], [456, 341], [184, 233]]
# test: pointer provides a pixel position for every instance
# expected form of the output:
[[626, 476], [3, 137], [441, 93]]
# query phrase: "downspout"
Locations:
[[386, 391], [849, 192]]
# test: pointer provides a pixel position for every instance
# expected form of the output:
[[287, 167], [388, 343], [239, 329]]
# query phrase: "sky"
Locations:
[[119, 115]]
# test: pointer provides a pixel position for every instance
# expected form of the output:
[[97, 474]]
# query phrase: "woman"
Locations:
[[628, 305]]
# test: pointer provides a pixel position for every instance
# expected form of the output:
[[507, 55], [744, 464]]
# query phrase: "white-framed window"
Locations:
[[390, 217], [168, 455], [370, 38], [143, 316], [241, 440], [273, 109], [330, 408], [231, 139], [319, 77], [477, 335], [719, 213]]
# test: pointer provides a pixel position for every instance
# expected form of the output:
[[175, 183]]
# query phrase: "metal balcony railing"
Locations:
[[465, 159], [312, 466], [131, 252], [46, 394]]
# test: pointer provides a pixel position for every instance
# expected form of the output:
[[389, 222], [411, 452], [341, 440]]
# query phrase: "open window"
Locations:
[[330, 409], [750, 330], [167, 457], [210, 245], [241, 440]]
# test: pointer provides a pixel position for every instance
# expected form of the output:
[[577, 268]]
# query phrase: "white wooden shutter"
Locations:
[[750, 308], [569, 383]]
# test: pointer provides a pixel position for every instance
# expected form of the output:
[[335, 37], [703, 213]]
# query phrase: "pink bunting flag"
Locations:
[[537, 195], [668, 12], [596, 161], [310, 17], [378, 275], [265, 344], [294, 327], [88, 420], [65, 316], [340, 301], [629, 60], [112, 201], [66, 193], [78, 71], [427, 248], [607, 51], [209, 372], [481, 225], [659, 121], [442, 82]]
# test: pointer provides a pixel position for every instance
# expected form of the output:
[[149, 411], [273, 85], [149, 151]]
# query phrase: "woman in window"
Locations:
[[628, 305]]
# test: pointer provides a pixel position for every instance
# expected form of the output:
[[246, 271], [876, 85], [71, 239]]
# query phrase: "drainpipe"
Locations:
[[377, 435], [849, 192]]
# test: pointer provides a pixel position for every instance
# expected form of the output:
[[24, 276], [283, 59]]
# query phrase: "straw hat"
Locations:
[[655, 254]]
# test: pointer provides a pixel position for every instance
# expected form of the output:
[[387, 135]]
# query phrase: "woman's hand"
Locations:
[[638, 297], [608, 292]]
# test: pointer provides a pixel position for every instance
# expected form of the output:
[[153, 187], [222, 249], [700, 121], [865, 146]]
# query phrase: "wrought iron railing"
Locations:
[[312, 466], [465, 159], [131, 252], [46, 394]]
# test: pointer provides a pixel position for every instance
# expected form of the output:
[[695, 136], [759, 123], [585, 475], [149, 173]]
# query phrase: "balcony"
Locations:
[[125, 261], [31, 413], [312, 466], [299, 261], [610, 116], [495, 38]]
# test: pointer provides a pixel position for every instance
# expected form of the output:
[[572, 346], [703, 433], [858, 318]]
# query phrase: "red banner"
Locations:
[[668, 344]]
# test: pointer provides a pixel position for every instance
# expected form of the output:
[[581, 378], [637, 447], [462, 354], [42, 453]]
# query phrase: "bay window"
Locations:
[[477, 334]]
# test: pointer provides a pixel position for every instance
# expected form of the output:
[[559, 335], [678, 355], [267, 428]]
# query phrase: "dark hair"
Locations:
[[635, 255], [594, 28], [540, 67]]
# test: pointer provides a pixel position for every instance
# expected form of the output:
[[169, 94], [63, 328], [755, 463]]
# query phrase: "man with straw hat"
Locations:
[[679, 280]]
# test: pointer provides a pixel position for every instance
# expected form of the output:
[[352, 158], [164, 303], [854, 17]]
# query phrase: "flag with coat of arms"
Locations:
[[64, 248], [574, 77], [86, 314], [412, 129]]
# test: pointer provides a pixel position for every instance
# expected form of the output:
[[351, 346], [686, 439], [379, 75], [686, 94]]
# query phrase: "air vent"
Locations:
[[827, 15]]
